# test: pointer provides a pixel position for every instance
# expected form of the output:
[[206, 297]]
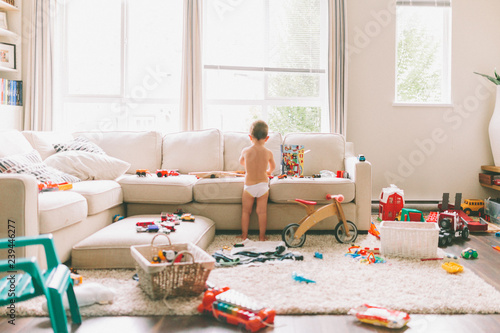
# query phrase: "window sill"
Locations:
[[427, 105]]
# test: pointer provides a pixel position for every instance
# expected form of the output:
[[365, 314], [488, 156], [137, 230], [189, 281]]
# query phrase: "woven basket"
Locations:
[[164, 280], [409, 239]]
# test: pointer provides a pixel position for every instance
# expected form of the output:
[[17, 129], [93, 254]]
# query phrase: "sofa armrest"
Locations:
[[19, 210], [361, 174]]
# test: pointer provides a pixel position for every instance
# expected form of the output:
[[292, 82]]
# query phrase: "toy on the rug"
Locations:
[[77, 278], [89, 294], [469, 253], [294, 234], [117, 218], [496, 247], [365, 255], [300, 278], [452, 267], [318, 255], [391, 202], [497, 233], [379, 316], [373, 230], [236, 308]]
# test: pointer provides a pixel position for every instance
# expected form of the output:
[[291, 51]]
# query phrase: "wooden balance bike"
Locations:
[[294, 234]]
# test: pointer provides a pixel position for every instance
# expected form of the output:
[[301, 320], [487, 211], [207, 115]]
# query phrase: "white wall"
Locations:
[[424, 150]]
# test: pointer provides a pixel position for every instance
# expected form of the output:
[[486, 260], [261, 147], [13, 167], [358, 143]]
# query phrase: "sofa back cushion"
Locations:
[[44, 141], [324, 151], [193, 151], [142, 149], [13, 142], [234, 142]]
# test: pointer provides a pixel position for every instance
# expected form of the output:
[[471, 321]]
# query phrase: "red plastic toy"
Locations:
[[236, 309], [165, 173]]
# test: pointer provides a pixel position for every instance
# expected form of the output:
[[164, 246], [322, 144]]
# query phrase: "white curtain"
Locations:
[[337, 58], [192, 67], [37, 33]]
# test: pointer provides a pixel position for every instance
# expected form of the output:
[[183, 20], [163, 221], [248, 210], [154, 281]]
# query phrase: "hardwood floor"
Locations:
[[486, 266]]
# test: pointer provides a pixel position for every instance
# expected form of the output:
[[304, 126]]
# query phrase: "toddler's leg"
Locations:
[[247, 205], [261, 210]]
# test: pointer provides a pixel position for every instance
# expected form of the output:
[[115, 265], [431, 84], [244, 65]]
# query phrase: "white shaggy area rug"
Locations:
[[409, 285]]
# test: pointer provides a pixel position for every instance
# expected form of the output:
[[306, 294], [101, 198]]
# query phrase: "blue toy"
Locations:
[[318, 255], [300, 278]]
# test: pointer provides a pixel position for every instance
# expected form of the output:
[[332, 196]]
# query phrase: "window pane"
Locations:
[[154, 48], [423, 54], [294, 85], [93, 47], [231, 117], [288, 119], [228, 84]]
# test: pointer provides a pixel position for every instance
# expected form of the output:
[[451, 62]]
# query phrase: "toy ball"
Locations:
[[469, 253], [449, 257]]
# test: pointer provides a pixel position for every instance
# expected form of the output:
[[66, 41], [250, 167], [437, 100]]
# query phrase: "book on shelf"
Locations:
[[11, 92]]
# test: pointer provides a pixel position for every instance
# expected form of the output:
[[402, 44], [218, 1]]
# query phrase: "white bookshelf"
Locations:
[[11, 116]]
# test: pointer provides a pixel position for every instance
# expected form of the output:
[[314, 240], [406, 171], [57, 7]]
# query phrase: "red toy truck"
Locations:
[[450, 223], [227, 305]]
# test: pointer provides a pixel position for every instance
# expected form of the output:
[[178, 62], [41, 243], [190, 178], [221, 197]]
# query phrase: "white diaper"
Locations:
[[257, 190]]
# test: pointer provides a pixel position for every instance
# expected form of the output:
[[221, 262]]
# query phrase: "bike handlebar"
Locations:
[[338, 197]]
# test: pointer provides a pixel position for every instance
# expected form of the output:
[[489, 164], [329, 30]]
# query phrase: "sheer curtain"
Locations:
[[192, 66], [337, 65], [37, 32]]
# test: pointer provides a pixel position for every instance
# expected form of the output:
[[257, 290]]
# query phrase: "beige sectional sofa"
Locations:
[[73, 215]]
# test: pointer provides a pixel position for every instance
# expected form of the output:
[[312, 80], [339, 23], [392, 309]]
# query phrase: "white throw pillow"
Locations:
[[80, 144], [88, 166], [31, 163]]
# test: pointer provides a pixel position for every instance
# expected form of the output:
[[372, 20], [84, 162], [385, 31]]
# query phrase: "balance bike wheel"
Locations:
[[288, 236], [340, 233]]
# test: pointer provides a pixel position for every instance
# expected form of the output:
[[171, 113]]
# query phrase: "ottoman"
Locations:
[[110, 246]]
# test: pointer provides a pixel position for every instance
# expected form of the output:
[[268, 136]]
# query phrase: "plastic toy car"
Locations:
[[187, 217], [450, 224], [469, 253], [473, 206], [361, 158], [142, 172], [144, 224], [380, 316], [165, 173]]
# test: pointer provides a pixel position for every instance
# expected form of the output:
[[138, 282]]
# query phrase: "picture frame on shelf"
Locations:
[[3, 20], [7, 55]]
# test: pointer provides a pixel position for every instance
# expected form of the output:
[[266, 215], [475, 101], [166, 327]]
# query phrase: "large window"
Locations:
[[118, 65], [266, 59], [423, 47]]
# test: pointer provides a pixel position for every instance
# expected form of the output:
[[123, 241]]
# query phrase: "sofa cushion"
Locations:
[[43, 141], [88, 166], [152, 189], [58, 210], [13, 142], [100, 194], [31, 164], [314, 189], [194, 151], [326, 151], [234, 142], [141, 149], [110, 246], [219, 190], [79, 143]]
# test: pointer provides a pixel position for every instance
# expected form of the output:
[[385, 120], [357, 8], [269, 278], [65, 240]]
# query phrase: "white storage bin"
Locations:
[[409, 239]]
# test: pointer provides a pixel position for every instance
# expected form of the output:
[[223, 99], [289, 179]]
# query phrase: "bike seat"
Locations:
[[305, 202]]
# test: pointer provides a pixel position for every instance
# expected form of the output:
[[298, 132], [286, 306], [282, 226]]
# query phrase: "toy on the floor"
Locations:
[[373, 230], [89, 294], [469, 253], [117, 218], [300, 278], [496, 247], [451, 224], [318, 255], [379, 316], [294, 234], [472, 225], [413, 215], [365, 255], [391, 202], [452, 267], [236, 308]]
